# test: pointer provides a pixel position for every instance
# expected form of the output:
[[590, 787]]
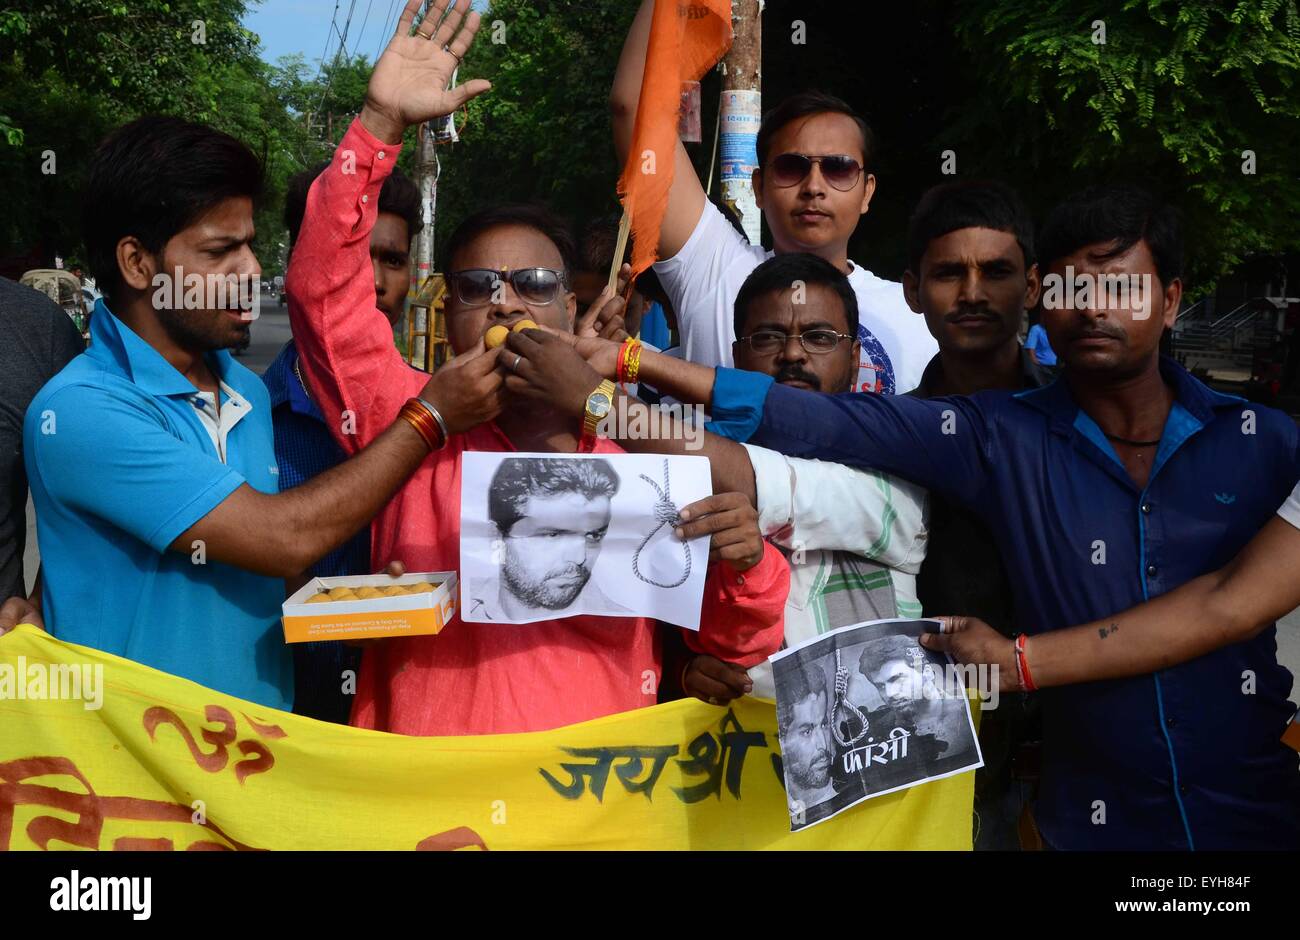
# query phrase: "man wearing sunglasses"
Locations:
[[854, 540], [813, 183], [504, 265]]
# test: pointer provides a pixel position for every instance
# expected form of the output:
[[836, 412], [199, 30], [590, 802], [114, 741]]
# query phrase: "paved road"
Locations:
[[271, 331]]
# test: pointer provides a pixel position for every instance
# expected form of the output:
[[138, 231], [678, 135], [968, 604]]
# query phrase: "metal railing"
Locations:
[[1229, 341]]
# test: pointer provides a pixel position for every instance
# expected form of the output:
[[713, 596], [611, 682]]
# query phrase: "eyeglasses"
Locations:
[[840, 170], [816, 342], [477, 287]]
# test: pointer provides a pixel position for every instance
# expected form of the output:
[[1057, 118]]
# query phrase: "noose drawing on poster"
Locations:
[[551, 536], [663, 559]]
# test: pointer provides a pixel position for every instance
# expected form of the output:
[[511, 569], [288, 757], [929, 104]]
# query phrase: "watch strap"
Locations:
[[591, 420]]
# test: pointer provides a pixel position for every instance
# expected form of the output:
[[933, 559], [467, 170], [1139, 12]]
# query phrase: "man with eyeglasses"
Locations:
[[505, 265], [813, 183], [854, 540]]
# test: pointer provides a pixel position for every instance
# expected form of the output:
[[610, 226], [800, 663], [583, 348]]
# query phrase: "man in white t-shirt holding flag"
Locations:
[[813, 183]]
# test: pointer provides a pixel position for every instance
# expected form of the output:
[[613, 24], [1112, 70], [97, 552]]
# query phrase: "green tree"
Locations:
[[1199, 97], [72, 70], [140, 56], [543, 132]]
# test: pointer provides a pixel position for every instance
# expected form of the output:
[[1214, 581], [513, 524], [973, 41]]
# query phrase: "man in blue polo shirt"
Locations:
[[1119, 482], [183, 614], [162, 533]]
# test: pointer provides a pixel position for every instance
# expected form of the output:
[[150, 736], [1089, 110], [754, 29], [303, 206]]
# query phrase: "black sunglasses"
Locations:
[[840, 170], [476, 287]]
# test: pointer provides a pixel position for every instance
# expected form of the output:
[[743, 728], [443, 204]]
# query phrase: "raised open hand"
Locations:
[[410, 81]]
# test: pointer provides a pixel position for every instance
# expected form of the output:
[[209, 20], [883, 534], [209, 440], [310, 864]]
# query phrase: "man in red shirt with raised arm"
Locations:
[[478, 678]]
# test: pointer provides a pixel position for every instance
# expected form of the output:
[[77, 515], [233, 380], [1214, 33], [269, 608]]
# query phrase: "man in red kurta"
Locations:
[[474, 678]]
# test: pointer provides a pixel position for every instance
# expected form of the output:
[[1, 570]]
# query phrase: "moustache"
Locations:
[[981, 311], [1108, 331], [796, 374], [569, 573]]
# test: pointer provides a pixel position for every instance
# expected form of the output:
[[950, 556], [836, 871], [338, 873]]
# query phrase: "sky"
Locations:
[[303, 26]]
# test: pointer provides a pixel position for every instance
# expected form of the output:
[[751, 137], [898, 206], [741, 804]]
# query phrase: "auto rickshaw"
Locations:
[[64, 288]]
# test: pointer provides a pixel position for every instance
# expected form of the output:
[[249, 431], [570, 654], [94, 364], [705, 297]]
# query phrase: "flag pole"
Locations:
[[620, 247]]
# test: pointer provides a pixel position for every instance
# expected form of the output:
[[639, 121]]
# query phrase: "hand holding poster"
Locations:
[[866, 710], [545, 536]]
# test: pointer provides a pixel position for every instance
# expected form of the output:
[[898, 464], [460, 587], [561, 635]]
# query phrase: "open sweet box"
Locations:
[[421, 613]]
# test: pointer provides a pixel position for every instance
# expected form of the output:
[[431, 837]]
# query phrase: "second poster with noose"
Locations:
[[547, 536]]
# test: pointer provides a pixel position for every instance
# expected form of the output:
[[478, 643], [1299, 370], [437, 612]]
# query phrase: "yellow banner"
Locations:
[[97, 752]]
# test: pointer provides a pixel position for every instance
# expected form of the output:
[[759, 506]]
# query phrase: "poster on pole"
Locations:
[[741, 115]]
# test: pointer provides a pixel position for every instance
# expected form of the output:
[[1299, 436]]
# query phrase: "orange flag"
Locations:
[[686, 38]]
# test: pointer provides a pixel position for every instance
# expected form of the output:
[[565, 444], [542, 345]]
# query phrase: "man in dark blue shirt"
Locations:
[[304, 446], [972, 273], [1122, 480]]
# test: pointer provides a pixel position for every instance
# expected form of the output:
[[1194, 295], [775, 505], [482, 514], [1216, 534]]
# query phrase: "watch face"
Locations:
[[598, 405]]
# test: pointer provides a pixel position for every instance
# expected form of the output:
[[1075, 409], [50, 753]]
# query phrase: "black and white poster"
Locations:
[[545, 536], [866, 710]]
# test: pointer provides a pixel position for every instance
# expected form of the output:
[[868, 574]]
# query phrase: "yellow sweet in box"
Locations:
[[368, 592], [525, 325], [495, 336]]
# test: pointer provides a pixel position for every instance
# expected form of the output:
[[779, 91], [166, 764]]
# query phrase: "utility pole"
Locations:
[[428, 348], [741, 112], [426, 177]]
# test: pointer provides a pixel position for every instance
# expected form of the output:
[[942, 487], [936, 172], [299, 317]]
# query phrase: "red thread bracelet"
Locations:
[[1022, 665]]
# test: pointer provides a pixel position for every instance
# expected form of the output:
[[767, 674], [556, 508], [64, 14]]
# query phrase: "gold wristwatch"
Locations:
[[599, 403]]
